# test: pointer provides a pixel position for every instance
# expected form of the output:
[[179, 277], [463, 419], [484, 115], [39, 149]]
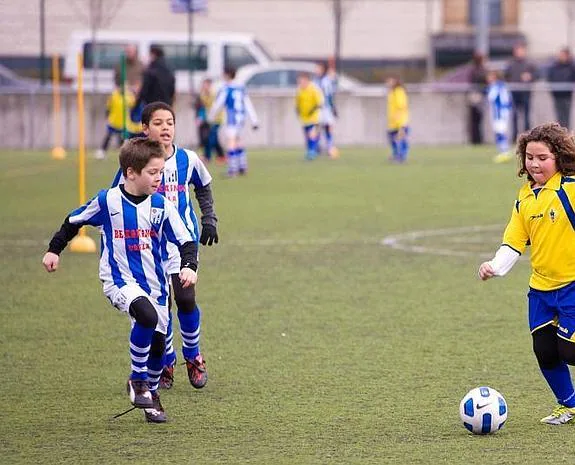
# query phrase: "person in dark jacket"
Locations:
[[158, 83], [521, 72], [562, 71], [476, 98]]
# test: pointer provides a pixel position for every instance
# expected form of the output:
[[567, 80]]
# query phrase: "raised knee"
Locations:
[[144, 312]]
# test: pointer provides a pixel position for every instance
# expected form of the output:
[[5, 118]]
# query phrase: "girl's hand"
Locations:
[[485, 271]]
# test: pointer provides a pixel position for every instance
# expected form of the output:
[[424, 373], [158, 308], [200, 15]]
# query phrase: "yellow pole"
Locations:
[[58, 152], [81, 243]]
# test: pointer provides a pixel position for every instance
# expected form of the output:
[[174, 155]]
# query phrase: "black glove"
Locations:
[[209, 235]]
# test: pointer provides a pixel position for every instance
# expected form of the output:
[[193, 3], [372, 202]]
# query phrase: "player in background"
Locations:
[[499, 99], [183, 168], [327, 82], [308, 104], [118, 110], [208, 132], [136, 224], [235, 101], [543, 217], [397, 119]]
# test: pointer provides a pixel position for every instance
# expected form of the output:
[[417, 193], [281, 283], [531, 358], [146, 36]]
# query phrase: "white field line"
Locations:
[[402, 241]]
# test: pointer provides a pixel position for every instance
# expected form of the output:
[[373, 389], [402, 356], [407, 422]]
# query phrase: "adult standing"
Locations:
[[134, 69], [522, 73], [476, 98], [562, 71], [159, 83]]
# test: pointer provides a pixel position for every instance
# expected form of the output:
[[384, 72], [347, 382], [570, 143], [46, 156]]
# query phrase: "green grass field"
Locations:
[[323, 345]]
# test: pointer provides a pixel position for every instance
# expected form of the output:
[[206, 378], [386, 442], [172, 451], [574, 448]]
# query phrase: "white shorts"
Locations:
[[326, 116], [122, 297], [232, 131]]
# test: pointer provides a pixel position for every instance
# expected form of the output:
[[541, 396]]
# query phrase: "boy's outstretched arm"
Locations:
[[58, 243]]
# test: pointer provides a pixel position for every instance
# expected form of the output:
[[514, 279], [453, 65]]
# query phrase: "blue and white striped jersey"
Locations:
[[236, 102], [182, 169], [328, 85], [133, 238], [499, 100]]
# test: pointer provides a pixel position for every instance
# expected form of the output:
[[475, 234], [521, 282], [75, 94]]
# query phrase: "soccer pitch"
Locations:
[[342, 321]]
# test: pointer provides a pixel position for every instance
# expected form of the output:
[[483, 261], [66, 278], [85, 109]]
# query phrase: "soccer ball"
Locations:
[[483, 410]]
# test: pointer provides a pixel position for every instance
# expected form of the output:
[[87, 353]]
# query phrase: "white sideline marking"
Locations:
[[398, 241], [401, 241]]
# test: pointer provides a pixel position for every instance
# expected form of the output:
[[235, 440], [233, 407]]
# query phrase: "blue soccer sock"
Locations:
[[233, 162], [403, 148], [242, 159], [155, 367], [170, 353], [328, 137], [140, 342], [502, 142], [559, 380], [190, 329]]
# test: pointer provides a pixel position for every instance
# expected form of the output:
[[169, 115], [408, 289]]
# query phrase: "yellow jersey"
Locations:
[[207, 100], [308, 103], [544, 218], [397, 108], [115, 105]]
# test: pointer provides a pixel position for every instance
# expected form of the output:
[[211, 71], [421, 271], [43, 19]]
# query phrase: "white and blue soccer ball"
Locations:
[[483, 410]]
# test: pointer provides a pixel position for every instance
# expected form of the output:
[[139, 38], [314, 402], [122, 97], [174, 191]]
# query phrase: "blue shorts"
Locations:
[[553, 307]]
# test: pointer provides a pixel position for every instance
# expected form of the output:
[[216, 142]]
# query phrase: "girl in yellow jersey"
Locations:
[[397, 119], [544, 217], [308, 104], [118, 111]]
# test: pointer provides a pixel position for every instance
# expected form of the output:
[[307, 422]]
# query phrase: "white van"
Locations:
[[210, 54]]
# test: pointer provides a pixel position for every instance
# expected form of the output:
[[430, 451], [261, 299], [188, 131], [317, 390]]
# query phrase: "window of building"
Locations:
[[495, 8]]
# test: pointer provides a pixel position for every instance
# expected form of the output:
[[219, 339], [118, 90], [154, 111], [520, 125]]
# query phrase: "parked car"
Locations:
[[211, 53], [10, 80], [283, 75]]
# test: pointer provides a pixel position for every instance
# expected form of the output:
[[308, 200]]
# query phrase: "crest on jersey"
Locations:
[[552, 215], [156, 215]]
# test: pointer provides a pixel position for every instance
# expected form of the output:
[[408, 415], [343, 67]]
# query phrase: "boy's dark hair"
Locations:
[[230, 72], [559, 141], [151, 108], [157, 50], [136, 153]]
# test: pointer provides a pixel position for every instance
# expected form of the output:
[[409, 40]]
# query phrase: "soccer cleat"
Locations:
[[99, 154], [167, 378], [197, 373], [139, 393], [559, 416], [333, 153], [502, 158], [156, 413]]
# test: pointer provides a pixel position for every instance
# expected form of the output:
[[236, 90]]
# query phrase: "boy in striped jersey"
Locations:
[[500, 105], [235, 101], [183, 168], [136, 225], [327, 82]]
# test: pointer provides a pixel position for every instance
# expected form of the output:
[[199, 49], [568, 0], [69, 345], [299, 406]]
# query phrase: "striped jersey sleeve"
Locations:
[[199, 176], [175, 229], [90, 213]]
